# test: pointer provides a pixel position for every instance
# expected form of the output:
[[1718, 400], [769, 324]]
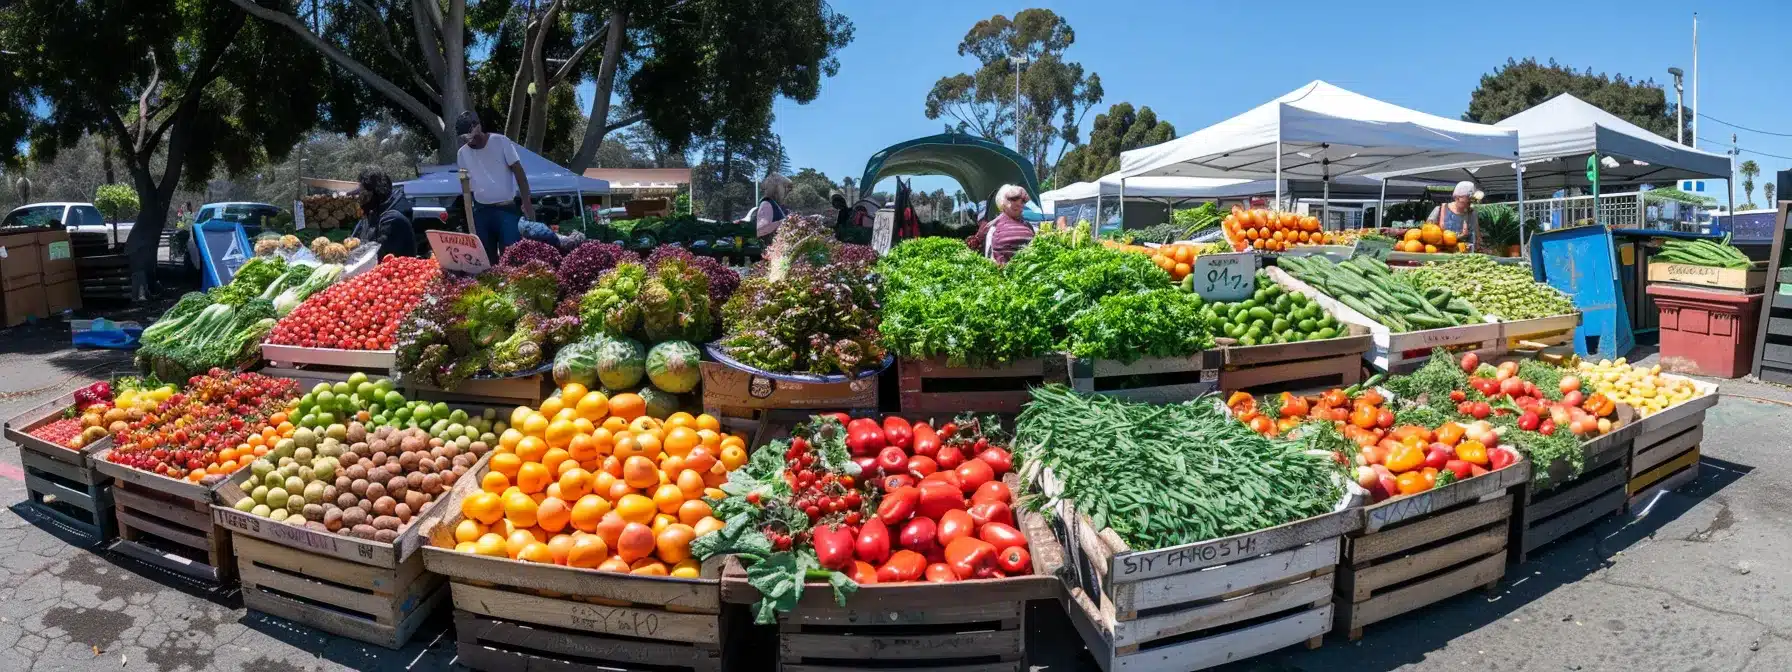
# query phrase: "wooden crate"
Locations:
[[513, 615], [1543, 330], [1561, 505], [528, 390], [370, 361], [1156, 380], [1665, 457], [741, 399], [168, 523], [1402, 352], [933, 386], [1418, 550], [1199, 605], [1281, 367], [61, 483], [1751, 279]]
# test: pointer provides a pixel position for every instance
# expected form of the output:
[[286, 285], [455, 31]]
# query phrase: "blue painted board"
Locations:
[[223, 248], [1581, 262]]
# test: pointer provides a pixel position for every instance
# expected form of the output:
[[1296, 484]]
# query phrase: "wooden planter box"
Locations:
[[60, 482], [1752, 279], [511, 615], [168, 523], [1543, 330], [374, 592], [1421, 549], [1402, 352], [1333, 362], [1156, 380], [933, 386], [1667, 456], [1208, 603], [1561, 505]]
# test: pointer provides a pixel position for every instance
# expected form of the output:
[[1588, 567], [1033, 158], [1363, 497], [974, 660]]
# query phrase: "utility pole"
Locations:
[[1734, 152], [1679, 107], [1695, 79]]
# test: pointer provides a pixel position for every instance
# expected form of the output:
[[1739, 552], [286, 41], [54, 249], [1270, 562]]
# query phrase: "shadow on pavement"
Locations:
[[65, 534], [224, 596], [431, 648]]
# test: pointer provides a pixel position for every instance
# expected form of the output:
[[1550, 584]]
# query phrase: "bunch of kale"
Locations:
[[502, 323]]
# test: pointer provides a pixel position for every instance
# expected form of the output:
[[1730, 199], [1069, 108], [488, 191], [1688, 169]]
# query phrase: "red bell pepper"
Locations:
[[936, 498], [892, 460], [993, 490], [899, 505], [973, 474], [990, 511], [940, 572], [1462, 469], [833, 547], [898, 433], [920, 535], [873, 544], [903, 566], [969, 557], [998, 459], [955, 525], [927, 441], [1001, 535], [1015, 560]]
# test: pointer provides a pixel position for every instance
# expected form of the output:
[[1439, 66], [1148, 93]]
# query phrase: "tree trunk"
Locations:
[[538, 75], [598, 125], [146, 234], [519, 84]]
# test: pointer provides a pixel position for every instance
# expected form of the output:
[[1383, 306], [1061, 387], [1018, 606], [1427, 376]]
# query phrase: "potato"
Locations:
[[333, 519], [387, 522], [384, 506], [359, 487], [397, 487], [403, 511], [432, 484], [385, 536], [363, 531], [353, 516], [375, 490]]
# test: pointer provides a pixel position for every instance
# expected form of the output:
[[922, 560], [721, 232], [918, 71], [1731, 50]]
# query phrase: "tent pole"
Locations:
[[1381, 208], [1096, 220], [1278, 205], [1123, 203], [1524, 244]]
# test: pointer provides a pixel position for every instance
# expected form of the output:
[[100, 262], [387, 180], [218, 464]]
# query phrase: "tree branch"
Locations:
[[596, 126], [538, 73], [571, 64], [391, 44], [155, 78], [629, 120], [384, 86], [426, 21]]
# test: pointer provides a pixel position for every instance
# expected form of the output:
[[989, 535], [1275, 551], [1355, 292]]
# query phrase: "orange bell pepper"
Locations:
[[1471, 452], [1429, 474], [1363, 416], [1293, 406], [1411, 483], [1450, 433], [1408, 457]]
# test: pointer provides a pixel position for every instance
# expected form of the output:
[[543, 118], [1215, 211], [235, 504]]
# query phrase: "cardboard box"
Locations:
[[56, 256], [61, 296], [21, 261], [22, 303]]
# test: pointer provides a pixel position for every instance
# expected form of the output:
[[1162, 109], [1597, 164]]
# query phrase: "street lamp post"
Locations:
[[1679, 109]]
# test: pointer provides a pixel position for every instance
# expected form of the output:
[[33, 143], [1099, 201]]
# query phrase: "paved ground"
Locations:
[[1696, 582]]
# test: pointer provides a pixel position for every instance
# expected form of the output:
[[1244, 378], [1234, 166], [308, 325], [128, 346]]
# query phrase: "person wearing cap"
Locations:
[[388, 220], [1458, 216], [495, 181]]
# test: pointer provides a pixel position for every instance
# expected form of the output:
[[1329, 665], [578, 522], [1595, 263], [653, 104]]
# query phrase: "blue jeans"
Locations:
[[496, 227]]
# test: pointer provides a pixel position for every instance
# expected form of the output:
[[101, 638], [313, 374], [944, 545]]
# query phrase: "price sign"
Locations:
[[1225, 277], [460, 252], [1372, 248], [883, 230], [298, 215]]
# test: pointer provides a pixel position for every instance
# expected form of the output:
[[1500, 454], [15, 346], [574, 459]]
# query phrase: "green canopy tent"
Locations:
[[979, 165]]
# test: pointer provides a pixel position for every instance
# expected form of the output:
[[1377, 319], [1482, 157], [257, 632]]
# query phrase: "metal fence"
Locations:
[[1629, 210]]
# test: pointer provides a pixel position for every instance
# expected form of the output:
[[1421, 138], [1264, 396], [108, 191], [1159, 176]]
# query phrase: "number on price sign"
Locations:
[[459, 252], [1225, 277]]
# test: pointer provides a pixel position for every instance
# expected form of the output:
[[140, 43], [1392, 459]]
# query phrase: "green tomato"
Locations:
[[340, 388], [357, 378]]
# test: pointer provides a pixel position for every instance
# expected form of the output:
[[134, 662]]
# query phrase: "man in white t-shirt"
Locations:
[[495, 179]]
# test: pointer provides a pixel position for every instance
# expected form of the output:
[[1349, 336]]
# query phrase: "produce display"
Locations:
[[1645, 390], [597, 482], [810, 306], [328, 247], [940, 298], [700, 237], [360, 313], [1391, 300], [500, 323], [1538, 408], [1429, 238], [1272, 231], [328, 211], [1271, 315], [195, 433], [101, 408], [1162, 476], [870, 502], [1506, 291], [1703, 253], [220, 328]]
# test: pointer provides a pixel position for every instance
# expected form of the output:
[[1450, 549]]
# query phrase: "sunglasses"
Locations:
[[1014, 199]]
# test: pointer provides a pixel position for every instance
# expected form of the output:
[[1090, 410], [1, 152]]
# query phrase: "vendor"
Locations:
[[1458, 216], [770, 212], [388, 220], [495, 180], [1005, 235]]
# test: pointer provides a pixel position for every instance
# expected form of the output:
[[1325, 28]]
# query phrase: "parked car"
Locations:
[[77, 217]]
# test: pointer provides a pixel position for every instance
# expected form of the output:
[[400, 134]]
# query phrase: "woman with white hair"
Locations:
[[1458, 216], [769, 214], [1003, 236]]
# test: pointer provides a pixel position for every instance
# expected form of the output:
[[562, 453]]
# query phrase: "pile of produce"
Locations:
[[360, 313], [186, 436], [298, 283], [580, 267], [700, 237], [811, 306], [1371, 288], [1703, 253], [326, 211], [1539, 409], [1646, 390], [870, 502], [1271, 315], [1196, 219], [1505, 291], [595, 482], [1272, 231], [199, 334], [1161, 476], [501, 323], [942, 299], [1175, 259], [1358, 407], [102, 408], [1429, 238]]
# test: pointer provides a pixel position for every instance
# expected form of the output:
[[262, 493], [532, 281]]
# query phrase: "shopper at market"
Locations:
[[1458, 216], [388, 215], [770, 211], [1001, 237], [496, 183]]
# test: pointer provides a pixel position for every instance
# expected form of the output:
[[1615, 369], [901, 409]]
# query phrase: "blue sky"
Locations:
[[1196, 63]]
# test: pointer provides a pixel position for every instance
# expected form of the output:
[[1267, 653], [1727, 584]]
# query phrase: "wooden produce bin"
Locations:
[[362, 589], [293, 356], [1280, 367], [741, 398], [1421, 549], [933, 386], [1156, 380], [1742, 280], [529, 390], [512, 615], [1561, 505], [61, 482], [1555, 330], [1402, 352], [167, 522], [1665, 453], [1208, 603]]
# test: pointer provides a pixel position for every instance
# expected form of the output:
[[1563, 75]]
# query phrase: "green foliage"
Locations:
[[1128, 326], [250, 281], [1520, 85], [115, 201], [675, 303], [1500, 227], [1119, 130], [611, 306]]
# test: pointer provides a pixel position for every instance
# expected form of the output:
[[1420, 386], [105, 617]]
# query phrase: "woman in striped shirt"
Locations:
[[1003, 236]]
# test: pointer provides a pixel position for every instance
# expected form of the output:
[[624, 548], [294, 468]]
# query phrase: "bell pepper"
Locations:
[[892, 460], [1501, 457], [1472, 452], [1429, 475], [1404, 458], [1001, 535], [1015, 560], [1241, 402], [1294, 406], [844, 419], [938, 497], [940, 572], [899, 505], [949, 456], [833, 547], [898, 433], [904, 565], [969, 557], [864, 438], [973, 474], [998, 459], [1437, 455], [995, 490], [863, 573], [873, 544], [1363, 416], [1460, 467], [1411, 482], [956, 525], [920, 535], [927, 441], [990, 511]]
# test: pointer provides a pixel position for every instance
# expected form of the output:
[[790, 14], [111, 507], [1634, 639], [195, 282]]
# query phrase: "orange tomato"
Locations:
[[536, 552], [468, 530], [492, 545], [532, 477], [733, 456], [610, 528], [690, 483], [680, 440], [635, 542], [552, 514], [668, 497]]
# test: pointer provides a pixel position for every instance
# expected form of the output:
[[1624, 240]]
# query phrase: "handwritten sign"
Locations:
[[298, 215], [1372, 248], [883, 230], [1225, 277], [460, 252]]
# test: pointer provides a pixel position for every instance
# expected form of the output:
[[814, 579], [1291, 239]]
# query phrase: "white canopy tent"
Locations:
[[1321, 132], [545, 177], [1174, 190]]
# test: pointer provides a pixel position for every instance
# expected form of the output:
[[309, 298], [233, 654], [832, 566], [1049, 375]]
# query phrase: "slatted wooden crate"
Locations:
[[1199, 605], [529, 390], [60, 482], [1665, 457], [167, 522], [1554, 330], [742, 398], [1565, 502], [1282, 367], [933, 386], [1402, 352], [1421, 549], [1158, 380]]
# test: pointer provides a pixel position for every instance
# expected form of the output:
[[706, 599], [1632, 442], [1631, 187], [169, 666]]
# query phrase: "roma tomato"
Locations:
[[991, 511], [955, 525], [940, 572], [973, 474], [993, 490], [1014, 560], [1001, 535]]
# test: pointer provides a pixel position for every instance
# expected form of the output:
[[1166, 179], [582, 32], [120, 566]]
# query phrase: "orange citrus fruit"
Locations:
[[636, 508], [587, 552], [692, 511], [674, 542], [520, 509], [628, 406], [484, 507]]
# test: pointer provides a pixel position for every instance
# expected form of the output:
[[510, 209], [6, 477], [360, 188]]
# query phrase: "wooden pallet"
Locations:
[[1665, 457], [1199, 605], [1418, 550], [1282, 367], [61, 483], [1564, 504], [933, 386], [171, 531], [370, 604], [1156, 380]]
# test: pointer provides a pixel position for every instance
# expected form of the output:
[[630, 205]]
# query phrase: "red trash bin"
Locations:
[[1712, 333]]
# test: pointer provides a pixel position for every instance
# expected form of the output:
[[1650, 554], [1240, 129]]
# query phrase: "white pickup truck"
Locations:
[[81, 217]]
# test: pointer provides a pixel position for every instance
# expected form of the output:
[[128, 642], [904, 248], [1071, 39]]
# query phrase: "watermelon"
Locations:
[[577, 363], [660, 403], [620, 363], [672, 366]]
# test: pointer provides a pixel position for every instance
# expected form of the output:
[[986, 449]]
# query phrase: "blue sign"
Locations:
[[1582, 262], [223, 248]]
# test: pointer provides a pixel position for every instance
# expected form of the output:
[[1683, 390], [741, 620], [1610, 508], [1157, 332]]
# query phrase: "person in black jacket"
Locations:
[[388, 215]]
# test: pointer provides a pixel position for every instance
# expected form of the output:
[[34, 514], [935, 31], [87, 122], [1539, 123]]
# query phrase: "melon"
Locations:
[[620, 363], [660, 403], [577, 363], [672, 366]]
